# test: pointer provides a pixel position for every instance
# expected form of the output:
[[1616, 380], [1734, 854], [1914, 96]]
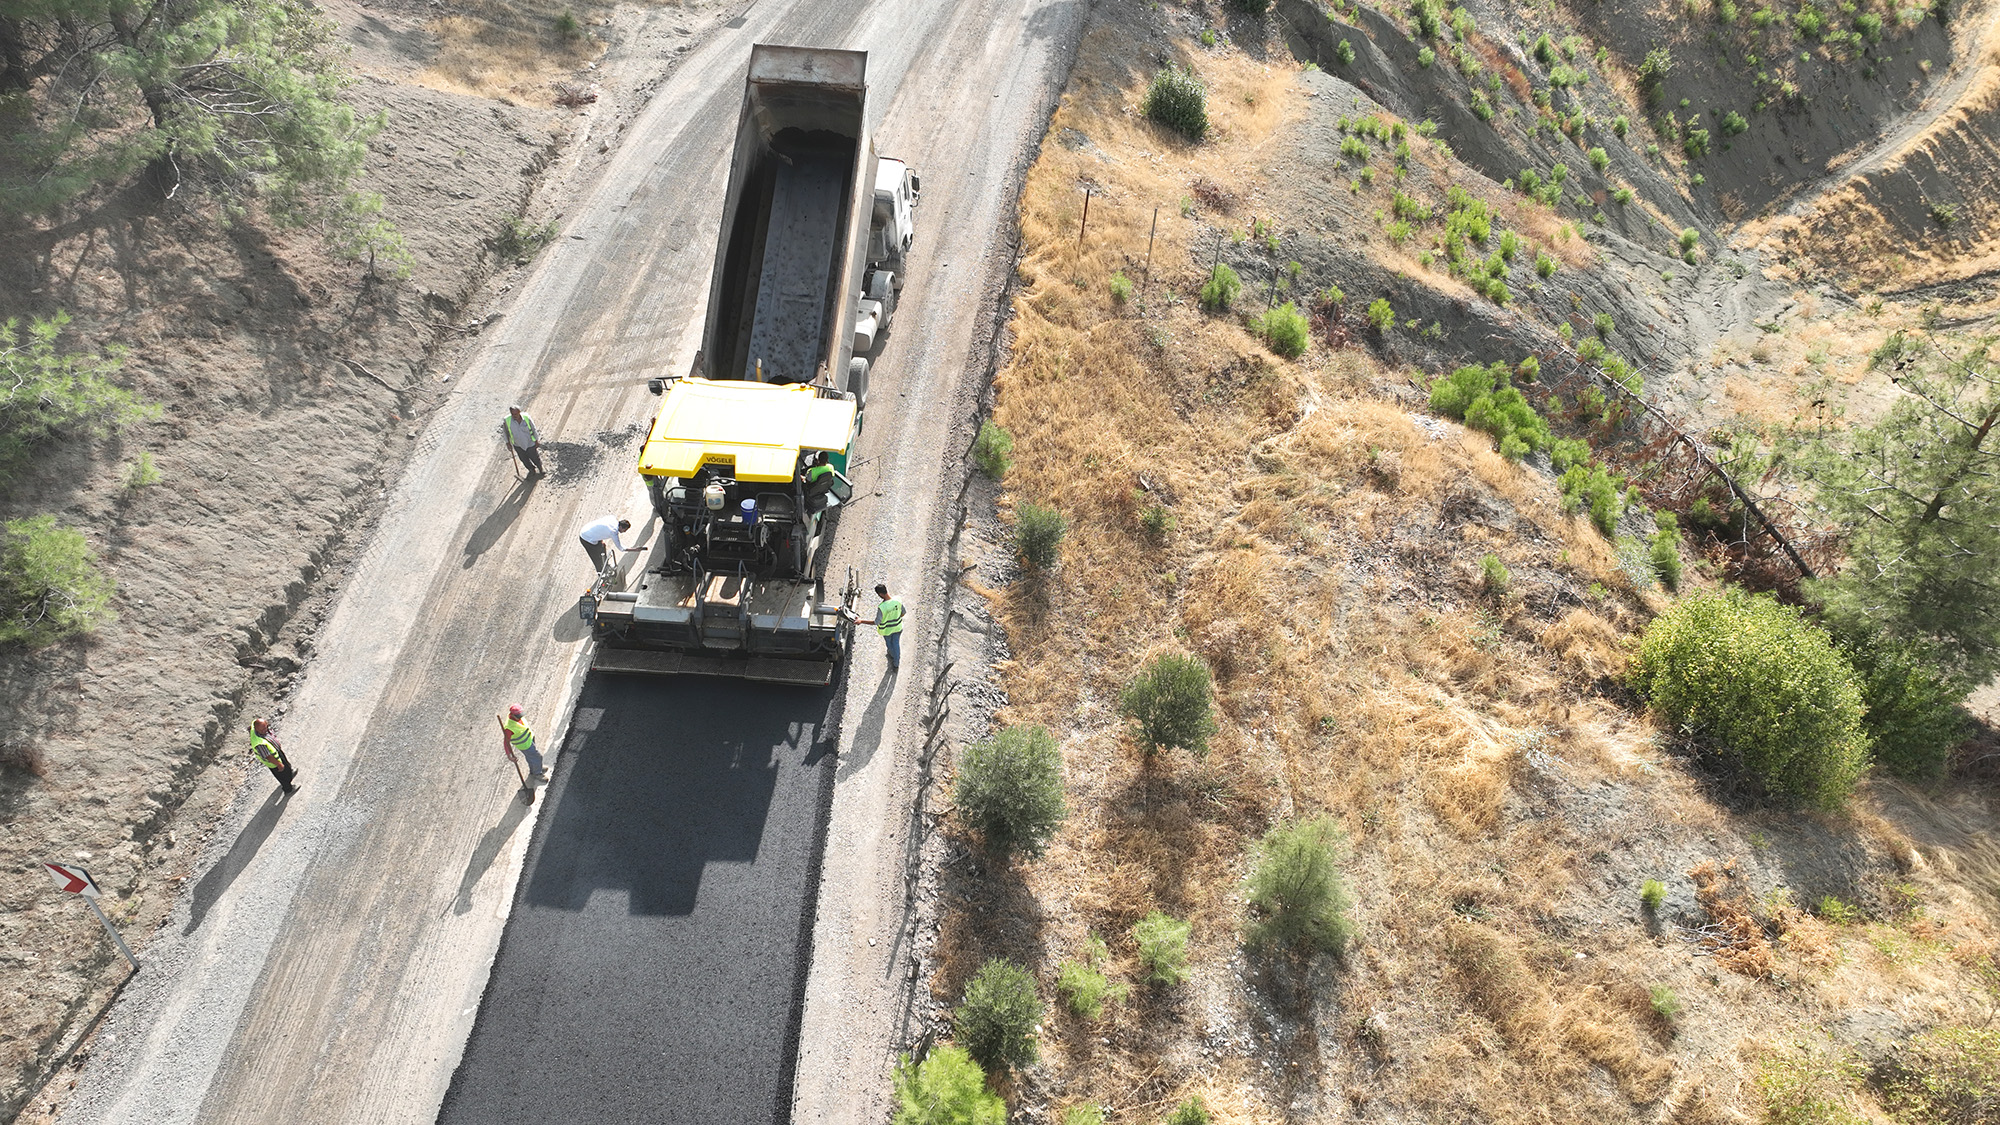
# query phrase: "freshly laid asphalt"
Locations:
[[653, 967]]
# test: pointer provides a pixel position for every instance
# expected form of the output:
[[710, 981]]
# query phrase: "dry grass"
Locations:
[[1324, 562], [513, 50]]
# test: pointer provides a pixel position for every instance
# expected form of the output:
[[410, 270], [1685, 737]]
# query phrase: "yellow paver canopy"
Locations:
[[755, 430]]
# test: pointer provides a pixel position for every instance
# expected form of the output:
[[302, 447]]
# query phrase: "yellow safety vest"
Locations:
[[266, 753], [507, 423], [518, 735], [889, 617]]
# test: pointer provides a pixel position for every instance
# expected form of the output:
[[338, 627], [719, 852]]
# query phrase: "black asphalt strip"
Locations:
[[653, 967]]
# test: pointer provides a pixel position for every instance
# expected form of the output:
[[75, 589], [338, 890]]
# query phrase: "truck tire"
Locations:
[[857, 382]]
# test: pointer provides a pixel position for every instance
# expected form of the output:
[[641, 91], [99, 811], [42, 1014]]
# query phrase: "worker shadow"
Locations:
[[679, 777], [868, 732], [212, 885], [488, 849], [495, 525]]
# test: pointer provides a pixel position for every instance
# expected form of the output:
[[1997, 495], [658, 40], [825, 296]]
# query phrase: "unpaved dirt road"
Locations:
[[332, 971]]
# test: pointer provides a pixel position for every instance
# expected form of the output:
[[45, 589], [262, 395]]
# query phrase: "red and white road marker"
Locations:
[[71, 879]]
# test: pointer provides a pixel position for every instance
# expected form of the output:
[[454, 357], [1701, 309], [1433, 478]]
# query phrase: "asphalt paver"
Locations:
[[652, 968]]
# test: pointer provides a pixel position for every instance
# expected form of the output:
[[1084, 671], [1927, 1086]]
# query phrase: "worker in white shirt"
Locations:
[[595, 533]]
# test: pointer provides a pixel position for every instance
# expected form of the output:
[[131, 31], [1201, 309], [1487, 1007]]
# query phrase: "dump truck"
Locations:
[[745, 463]]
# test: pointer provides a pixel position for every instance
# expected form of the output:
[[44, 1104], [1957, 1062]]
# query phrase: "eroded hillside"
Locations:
[[1413, 634]]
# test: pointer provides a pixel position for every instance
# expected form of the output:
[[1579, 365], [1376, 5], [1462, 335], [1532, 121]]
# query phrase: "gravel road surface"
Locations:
[[333, 970]]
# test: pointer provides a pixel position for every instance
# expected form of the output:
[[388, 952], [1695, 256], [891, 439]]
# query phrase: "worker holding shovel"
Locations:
[[516, 736]]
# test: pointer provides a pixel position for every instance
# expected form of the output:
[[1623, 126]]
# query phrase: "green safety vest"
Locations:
[[817, 471], [518, 735], [507, 424], [266, 753], [889, 617]]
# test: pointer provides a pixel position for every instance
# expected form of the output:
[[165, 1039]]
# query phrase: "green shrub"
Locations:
[[1493, 574], [1725, 11], [1600, 160], [1809, 22], [1545, 50], [1157, 521], [1764, 685], [996, 1021], [50, 587], [1603, 325], [1804, 1086], [1381, 316], [1482, 106], [1482, 397], [1622, 197], [1426, 57], [1567, 453], [1298, 888], [993, 449], [1653, 71], [1651, 894], [568, 26], [1621, 125], [1178, 100], [1596, 491], [1912, 703], [1869, 24], [1084, 1114], [1945, 1076], [45, 393], [947, 1088], [520, 239], [1430, 19], [1121, 287], [1695, 143], [1010, 789], [1666, 1005], [1038, 535], [1284, 329], [1162, 941], [1221, 289], [1665, 550], [1545, 265], [1836, 911], [142, 473], [1733, 124], [1193, 1111], [1169, 699], [1082, 982], [1344, 52]]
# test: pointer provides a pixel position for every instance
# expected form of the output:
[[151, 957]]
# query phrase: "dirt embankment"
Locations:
[[291, 383], [1323, 544]]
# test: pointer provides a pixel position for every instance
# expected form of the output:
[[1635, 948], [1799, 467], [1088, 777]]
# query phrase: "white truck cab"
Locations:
[[891, 229]]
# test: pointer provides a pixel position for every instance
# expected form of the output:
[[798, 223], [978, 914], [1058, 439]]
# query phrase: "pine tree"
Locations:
[[1919, 494], [233, 97]]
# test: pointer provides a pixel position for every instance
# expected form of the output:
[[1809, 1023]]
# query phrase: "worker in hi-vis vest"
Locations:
[[271, 755], [888, 622], [518, 738], [523, 439]]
